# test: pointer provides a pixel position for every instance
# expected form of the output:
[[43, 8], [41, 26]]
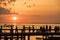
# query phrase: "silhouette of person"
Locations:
[[29, 28], [43, 30], [49, 29], [56, 29], [11, 30], [16, 30], [33, 28], [23, 30], [0, 29]]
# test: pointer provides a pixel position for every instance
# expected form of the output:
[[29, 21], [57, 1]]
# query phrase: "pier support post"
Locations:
[[21, 37], [28, 37]]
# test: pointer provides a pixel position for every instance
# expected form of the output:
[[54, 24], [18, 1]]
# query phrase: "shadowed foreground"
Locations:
[[47, 32]]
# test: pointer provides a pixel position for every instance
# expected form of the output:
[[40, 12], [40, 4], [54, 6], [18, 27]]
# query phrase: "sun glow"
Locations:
[[14, 18]]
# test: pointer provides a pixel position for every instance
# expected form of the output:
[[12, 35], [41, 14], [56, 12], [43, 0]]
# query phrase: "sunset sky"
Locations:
[[30, 11]]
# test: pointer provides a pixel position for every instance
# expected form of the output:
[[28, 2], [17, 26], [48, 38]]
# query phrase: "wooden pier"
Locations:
[[46, 31]]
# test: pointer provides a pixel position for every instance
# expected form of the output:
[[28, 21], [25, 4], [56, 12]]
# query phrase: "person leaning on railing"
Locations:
[[56, 29], [49, 29], [42, 29], [0, 29]]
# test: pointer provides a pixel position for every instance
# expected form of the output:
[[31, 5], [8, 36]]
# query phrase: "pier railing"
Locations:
[[20, 34]]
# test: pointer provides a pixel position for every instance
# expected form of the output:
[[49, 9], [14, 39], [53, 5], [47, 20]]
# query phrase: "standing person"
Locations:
[[0, 29], [16, 30], [46, 28], [49, 29]]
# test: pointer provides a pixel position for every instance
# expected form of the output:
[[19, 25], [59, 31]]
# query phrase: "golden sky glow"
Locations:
[[22, 6], [41, 5], [34, 11]]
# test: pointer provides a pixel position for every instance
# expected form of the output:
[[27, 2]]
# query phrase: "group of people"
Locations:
[[49, 29], [43, 29]]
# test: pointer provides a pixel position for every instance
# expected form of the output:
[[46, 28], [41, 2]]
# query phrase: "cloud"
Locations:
[[4, 11], [5, 2], [12, 0]]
